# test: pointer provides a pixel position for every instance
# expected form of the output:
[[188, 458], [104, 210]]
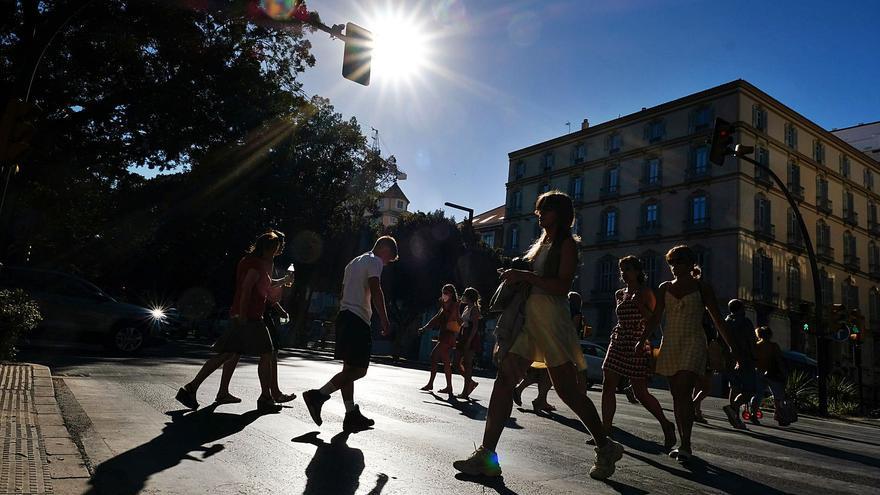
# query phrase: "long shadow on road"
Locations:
[[818, 449], [335, 468], [471, 409], [127, 473]]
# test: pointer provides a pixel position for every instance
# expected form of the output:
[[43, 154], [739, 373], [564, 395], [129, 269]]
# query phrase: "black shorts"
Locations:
[[245, 337], [354, 341]]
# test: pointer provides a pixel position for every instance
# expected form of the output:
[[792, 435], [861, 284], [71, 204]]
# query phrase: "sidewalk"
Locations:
[[37, 455]]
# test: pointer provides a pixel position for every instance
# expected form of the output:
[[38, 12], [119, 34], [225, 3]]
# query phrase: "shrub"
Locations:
[[18, 315]]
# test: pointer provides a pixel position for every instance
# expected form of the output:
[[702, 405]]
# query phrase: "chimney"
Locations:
[[585, 124]]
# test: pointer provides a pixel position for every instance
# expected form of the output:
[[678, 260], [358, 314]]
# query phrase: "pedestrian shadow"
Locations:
[[494, 483], [335, 468], [624, 489], [712, 476], [801, 431], [127, 473], [469, 408], [823, 449]]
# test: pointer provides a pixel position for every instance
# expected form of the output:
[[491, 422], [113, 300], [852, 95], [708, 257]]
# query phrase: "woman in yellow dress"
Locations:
[[547, 337]]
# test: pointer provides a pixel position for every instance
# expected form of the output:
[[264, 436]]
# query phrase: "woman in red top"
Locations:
[[247, 334], [449, 321]]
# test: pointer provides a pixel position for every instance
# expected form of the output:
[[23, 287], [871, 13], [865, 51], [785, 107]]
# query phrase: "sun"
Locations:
[[400, 48]]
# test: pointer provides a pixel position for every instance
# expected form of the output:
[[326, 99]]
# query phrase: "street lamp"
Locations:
[[470, 220], [722, 139]]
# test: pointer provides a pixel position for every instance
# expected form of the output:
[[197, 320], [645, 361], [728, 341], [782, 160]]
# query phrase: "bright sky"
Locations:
[[502, 75]]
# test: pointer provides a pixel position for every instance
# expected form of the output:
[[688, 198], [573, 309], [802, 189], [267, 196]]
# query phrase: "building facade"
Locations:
[[392, 204], [864, 137], [643, 183], [489, 227]]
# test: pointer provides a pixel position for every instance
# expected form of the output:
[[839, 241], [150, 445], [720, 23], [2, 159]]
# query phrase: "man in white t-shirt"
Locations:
[[361, 291]]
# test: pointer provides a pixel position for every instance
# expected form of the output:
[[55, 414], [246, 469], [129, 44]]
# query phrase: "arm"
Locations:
[[659, 308], [475, 321], [711, 303], [647, 302], [556, 285], [247, 286], [433, 321], [379, 302]]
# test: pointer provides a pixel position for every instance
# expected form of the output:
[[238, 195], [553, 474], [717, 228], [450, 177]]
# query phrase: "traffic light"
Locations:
[[358, 55], [16, 129], [839, 322], [722, 138], [854, 323]]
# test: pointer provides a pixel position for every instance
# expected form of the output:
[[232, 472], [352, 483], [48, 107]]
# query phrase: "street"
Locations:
[[137, 438]]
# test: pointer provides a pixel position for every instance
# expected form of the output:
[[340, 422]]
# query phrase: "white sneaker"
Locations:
[[483, 462], [606, 457]]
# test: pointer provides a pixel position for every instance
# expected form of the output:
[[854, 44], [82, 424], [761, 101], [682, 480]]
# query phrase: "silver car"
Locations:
[[595, 355]]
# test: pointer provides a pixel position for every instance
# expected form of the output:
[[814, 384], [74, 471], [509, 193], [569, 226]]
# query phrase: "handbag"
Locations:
[[453, 326]]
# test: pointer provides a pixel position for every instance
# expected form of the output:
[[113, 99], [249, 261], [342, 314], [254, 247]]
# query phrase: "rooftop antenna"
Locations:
[[569, 126], [375, 140]]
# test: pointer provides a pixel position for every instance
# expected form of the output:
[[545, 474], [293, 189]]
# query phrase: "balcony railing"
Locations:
[[695, 174], [765, 230], [693, 226], [607, 236], [763, 178], [648, 230], [762, 296], [825, 252], [796, 190], [851, 261], [824, 205], [850, 217], [649, 185]]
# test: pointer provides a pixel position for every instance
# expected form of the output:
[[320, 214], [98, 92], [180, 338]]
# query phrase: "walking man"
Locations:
[[742, 379], [360, 288]]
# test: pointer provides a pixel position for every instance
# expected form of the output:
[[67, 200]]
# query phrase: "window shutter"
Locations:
[[755, 115], [756, 272], [768, 275]]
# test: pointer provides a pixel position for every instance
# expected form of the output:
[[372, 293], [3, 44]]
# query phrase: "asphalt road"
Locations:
[[138, 440]]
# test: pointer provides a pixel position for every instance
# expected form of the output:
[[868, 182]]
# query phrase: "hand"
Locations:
[[421, 331], [288, 280], [284, 315], [513, 276], [385, 328]]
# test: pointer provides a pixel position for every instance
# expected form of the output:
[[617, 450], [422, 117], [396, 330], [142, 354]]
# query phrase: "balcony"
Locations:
[[763, 178], [603, 237], [850, 217], [765, 231], [851, 261], [824, 205], [697, 225], [796, 190], [795, 240], [652, 230], [765, 297], [874, 227], [825, 252], [649, 185], [609, 192], [874, 270], [693, 174]]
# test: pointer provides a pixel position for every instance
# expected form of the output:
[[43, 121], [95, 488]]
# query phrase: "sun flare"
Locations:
[[400, 48]]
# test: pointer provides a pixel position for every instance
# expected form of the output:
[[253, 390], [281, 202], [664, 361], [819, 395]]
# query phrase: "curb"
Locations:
[[55, 458]]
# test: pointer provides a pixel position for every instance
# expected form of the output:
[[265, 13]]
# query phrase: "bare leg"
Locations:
[[209, 367], [447, 367], [226, 377], [435, 355], [701, 388], [682, 385], [609, 398], [264, 372], [512, 370], [467, 369], [345, 379], [565, 379]]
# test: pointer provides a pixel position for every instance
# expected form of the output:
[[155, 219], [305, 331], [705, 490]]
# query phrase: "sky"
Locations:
[[496, 76]]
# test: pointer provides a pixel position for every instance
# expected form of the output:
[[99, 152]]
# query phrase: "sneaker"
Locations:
[[733, 418], [483, 462], [606, 457], [355, 421], [187, 398], [314, 400]]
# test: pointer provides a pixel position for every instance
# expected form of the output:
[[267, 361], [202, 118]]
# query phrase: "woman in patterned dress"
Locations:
[[683, 350], [548, 337], [635, 304]]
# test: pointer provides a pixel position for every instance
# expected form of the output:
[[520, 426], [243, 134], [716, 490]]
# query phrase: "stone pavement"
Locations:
[[38, 456]]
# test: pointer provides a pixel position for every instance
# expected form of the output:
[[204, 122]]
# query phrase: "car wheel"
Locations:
[[127, 339]]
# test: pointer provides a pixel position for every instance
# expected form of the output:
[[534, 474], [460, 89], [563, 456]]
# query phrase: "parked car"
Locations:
[[595, 355], [74, 309]]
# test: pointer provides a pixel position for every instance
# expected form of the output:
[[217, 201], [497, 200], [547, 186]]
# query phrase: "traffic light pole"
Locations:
[[821, 338]]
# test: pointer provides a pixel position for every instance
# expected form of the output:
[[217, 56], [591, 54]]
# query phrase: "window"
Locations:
[[762, 154], [516, 200], [827, 286], [849, 211], [844, 166], [868, 178], [702, 118], [703, 258], [612, 181], [762, 279], [614, 142], [609, 223], [762, 215], [520, 169], [794, 180], [606, 274], [791, 135], [823, 204], [819, 151], [576, 188], [795, 236], [700, 161], [850, 257], [655, 131], [874, 307], [652, 172], [580, 153], [651, 214], [650, 261], [793, 285], [823, 234], [514, 237], [699, 209], [400, 204], [488, 238], [759, 118], [872, 218], [873, 259], [850, 293], [549, 161]]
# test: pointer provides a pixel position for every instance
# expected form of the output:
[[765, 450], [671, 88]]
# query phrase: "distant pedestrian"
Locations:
[[576, 308], [448, 318], [742, 377], [547, 337], [469, 342], [683, 350], [361, 292], [247, 333], [772, 373], [635, 305]]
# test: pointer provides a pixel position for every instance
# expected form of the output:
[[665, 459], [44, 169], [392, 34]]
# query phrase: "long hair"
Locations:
[[689, 256], [634, 263], [452, 291], [474, 296], [561, 203], [270, 239]]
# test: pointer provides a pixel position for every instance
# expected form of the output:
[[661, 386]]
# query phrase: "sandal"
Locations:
[[680, 454], [698, 418], [546, 408], [284, 398], [669, 439], [447, 390], [226, 399], [428, 387], [187, 398]]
